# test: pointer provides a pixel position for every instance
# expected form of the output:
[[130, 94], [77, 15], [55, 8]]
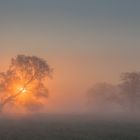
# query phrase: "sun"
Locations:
[[18, 88], [22, 90]]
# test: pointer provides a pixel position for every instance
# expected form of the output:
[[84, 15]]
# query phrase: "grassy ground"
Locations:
[[72, 128]]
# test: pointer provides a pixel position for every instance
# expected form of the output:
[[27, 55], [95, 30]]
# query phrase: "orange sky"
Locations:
[[85, 43]]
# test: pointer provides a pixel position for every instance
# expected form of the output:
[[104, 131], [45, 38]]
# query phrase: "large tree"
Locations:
[[24, 75]]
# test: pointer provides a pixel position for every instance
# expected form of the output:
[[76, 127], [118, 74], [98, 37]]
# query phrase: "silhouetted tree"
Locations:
[[28, 72]]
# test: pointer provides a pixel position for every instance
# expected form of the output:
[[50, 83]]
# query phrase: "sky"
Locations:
[[84, 41]]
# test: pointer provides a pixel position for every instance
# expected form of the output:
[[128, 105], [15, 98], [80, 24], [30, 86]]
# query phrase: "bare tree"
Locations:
[[24, 73], [130, 86]]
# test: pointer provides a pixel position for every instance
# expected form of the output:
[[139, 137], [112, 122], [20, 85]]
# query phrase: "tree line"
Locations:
[[124, 96]]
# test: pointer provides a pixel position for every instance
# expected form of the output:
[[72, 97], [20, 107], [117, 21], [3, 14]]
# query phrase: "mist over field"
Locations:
[[69, 70], [108, 113], [70, 127]]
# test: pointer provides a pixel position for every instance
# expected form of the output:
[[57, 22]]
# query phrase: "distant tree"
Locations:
[[103, 97], [25, 74], [130, 88]]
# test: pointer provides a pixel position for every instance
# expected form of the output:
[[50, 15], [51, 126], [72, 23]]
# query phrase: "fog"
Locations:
[[104, 110], [102, 100]]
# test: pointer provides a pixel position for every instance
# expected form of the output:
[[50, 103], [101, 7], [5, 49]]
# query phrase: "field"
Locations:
[[68, 128]]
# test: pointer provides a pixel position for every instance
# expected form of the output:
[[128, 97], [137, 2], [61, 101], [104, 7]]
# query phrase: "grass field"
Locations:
[[68, 128]]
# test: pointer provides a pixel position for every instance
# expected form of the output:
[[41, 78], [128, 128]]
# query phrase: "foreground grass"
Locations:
[[73, 128]]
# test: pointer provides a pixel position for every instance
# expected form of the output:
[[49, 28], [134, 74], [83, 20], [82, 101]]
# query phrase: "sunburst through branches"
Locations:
[[22, 84]]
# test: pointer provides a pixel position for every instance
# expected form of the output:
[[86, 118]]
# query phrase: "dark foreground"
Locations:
[[68, 128]]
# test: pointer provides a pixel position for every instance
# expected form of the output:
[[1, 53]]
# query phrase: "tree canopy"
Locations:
[[25, 74]]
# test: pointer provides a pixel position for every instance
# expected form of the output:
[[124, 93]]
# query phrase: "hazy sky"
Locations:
[[85, 41]]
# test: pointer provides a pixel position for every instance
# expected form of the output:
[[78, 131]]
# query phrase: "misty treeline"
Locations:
[[24, 74], [124, 96]]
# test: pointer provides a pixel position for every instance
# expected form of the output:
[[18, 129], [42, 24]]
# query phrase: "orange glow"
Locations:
[[25, 95], [16, 88], [22, 90], [27, 99]]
